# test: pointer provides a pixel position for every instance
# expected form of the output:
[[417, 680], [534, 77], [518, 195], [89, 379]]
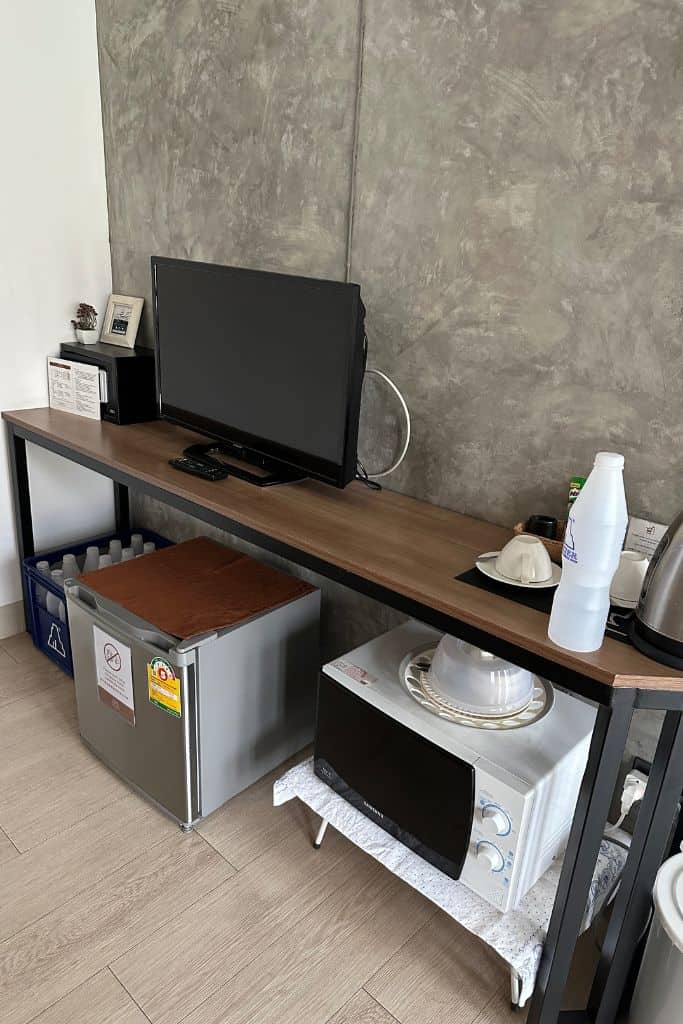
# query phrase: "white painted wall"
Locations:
[[54, 249]]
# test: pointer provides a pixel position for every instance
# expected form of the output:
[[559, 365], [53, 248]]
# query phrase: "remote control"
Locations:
[[198, 468]]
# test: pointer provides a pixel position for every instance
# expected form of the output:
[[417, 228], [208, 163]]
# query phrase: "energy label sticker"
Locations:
[[163, 686]]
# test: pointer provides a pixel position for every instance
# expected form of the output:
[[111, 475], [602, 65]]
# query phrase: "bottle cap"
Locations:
[[611, 459]]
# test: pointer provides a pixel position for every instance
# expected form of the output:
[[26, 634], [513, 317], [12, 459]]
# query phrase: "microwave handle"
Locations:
[[120, 619]]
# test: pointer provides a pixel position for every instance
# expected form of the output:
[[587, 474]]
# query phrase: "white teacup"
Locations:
[[524, 559], [627, 581]]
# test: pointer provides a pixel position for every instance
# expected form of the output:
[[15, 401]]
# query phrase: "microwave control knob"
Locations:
[[495, 820], [490, 856]]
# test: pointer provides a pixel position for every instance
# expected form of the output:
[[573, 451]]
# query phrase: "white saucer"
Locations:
[[489, 569], [623, 603]]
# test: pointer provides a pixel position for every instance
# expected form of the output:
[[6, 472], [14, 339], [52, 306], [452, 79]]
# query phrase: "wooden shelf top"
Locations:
[[407, 546]]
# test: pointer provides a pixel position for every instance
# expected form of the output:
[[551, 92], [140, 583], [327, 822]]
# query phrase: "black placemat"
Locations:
[[542, 600]]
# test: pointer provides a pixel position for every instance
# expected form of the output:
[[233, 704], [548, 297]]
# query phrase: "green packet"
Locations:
[[575, 485]]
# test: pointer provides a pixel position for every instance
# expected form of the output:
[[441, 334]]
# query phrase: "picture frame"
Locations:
[[121, 320]]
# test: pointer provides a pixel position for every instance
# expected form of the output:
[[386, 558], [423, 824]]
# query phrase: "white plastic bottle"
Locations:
[[41, 592], [590, 556], [92, 559], [115, 548], [52, 603], [70, 566]]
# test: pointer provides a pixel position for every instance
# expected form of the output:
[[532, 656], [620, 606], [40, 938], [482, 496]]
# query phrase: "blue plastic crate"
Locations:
[[50, 634]]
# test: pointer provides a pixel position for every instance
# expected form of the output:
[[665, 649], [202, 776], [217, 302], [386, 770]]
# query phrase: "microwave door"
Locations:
[[419, 793]]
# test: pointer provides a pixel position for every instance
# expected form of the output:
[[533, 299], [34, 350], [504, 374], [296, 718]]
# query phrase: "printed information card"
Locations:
[[74, 387], [114, 674], [643, 536]]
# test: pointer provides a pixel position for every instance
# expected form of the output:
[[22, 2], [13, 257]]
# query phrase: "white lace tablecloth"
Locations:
[[517, 936]]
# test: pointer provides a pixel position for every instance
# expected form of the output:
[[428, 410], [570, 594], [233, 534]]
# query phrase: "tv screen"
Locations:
[[270, 362]]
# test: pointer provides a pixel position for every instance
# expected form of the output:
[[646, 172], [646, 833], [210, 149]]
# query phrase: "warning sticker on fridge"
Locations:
[[114, 674], [164, 686]]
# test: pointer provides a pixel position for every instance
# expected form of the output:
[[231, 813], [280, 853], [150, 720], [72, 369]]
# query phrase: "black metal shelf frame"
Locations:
[[615, 708]]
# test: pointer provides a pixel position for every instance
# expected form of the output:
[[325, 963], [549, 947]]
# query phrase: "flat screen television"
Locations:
[[269, 365]]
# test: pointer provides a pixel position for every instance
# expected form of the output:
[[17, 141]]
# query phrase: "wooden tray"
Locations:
[[553, 547]]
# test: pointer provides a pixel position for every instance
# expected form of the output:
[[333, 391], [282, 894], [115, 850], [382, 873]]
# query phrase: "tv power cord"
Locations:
[[632, 793], [370, 479]]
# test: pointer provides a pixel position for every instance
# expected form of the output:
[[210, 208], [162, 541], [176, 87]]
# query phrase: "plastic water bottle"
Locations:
[[41, 592], [590, 556], [70, 566], [58, 577], [92, 559], [115, 548], [53, 604]]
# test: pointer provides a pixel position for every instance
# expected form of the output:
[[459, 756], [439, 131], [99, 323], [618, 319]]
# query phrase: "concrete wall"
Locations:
[[228, 133], [516, 212], [518, 236], [518, 227], [54, 253]]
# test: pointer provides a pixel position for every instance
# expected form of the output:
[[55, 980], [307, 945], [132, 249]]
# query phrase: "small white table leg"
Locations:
[[514, 989], [318, 841]]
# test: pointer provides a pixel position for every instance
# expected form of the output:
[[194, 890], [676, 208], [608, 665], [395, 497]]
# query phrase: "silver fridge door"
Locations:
[[147, 744]]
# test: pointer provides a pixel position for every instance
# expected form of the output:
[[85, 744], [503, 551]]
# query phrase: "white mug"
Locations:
[[525, 559], [627, 581]]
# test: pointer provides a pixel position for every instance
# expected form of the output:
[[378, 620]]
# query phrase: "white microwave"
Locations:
[[489, 807]]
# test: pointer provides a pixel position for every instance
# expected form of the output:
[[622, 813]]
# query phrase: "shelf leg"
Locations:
[[514, 989], [121, 508], [604, 760], [651, 840], [21, 500], [318, 841]]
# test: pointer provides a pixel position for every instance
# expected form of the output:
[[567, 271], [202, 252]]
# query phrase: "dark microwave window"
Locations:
[[419, 793]]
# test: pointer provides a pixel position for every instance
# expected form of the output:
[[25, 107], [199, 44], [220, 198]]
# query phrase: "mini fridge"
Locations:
[[195, 670]]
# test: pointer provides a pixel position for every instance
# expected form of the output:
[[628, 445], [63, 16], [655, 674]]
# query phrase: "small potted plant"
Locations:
[[85, 324]]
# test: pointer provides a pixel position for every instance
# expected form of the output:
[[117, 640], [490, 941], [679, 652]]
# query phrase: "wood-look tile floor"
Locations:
[[110, 915]]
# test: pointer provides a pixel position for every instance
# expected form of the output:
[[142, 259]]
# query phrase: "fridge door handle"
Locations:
[[129, 625]]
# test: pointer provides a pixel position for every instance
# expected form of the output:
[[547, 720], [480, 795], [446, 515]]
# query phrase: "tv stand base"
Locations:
[[272, 472]]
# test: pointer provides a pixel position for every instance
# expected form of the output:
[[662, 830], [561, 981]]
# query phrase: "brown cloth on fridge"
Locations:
[[195, 587]]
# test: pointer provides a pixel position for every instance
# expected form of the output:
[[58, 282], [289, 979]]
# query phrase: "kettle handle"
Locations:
[[657, 556], [675, 528]]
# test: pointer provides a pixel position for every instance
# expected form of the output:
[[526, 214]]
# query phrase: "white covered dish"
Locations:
[[477, 682]]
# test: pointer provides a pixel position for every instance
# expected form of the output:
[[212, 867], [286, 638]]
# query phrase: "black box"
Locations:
[[130, 379]]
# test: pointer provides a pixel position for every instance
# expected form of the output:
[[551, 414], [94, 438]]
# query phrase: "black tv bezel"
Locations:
[[338, 474]]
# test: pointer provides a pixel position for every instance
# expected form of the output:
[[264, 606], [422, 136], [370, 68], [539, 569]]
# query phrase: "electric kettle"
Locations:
[[657, 626]]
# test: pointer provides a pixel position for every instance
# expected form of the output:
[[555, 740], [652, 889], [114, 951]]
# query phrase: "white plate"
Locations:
[[623, 603], [489, 569]]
